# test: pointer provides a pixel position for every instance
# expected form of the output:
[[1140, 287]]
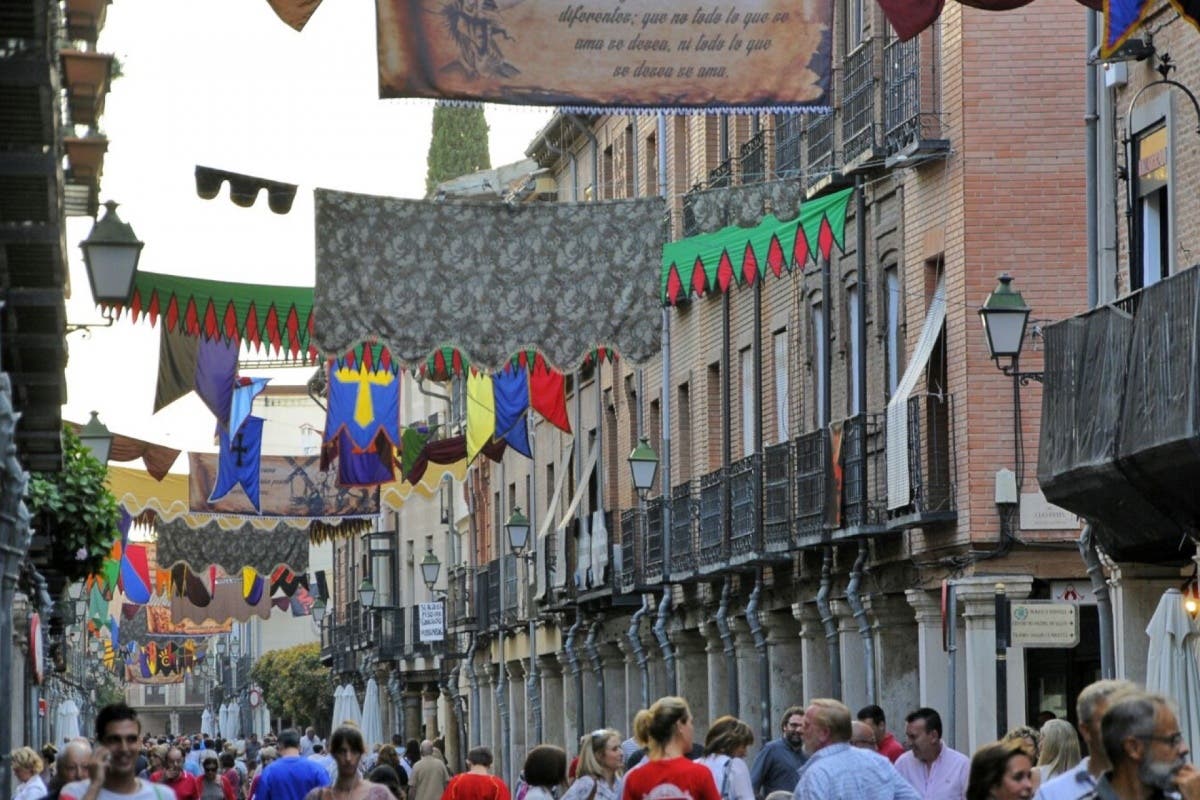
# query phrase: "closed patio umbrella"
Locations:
[[372, 725], [1173, 661]]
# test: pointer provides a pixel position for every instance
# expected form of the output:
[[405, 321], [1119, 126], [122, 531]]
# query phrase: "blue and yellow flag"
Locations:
[[364, 401]]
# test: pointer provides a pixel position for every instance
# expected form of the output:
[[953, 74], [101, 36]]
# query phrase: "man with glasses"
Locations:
[[112, 767], [173, 775], [777, 767], [1090, 706], [1146, 749]]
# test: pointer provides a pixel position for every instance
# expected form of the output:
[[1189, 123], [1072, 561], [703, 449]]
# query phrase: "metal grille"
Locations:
[[391, 634], [721, 176], [690, 226], [811, 463], [493, 593], [683, 557], [930, 456], [752, 158], [743, 512], [820, 135], [712, 519], [864, 472], [653, 558], [789, 144], [457, 596], [510, 589], [483, 598], [777, 498], [416, 646], [911, 106], [629, 538], [858, 107]]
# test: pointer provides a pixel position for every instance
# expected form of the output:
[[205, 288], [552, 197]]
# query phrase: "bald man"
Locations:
[[863, 735], [71, 765]]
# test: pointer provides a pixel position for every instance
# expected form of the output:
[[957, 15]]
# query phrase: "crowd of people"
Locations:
[[1135, 752]]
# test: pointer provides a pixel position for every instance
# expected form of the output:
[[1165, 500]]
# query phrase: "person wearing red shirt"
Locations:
[[885, 743], [476, 783], [182, 783], [668, 774]]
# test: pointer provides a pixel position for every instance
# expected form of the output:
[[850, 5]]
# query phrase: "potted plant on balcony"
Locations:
[[73, 514]]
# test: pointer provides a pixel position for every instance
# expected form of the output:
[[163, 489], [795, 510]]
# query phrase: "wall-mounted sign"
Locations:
[[1039, 514], [433, 624], [1044, 623]]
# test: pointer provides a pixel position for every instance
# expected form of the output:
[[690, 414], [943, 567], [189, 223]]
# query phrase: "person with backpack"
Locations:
[[725, 753], [598, 776]]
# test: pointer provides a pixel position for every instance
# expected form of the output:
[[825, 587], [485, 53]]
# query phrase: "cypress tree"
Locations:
[[459, 145]]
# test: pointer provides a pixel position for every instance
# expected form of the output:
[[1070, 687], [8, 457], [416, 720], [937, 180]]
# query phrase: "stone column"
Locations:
[[489, 725], [570, 707], [615, 687], [691, 667], [430, 724], [854, 656], [749, 681], [632, 681], [413, 715], [977, 598], [517, 698], [552, 699], [716, 669], [787, 688], [1135, 591], [897, 657], [814, 654]]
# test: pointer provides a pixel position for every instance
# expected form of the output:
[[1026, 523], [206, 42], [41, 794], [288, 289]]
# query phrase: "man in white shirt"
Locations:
[[1090, 706], [935, 770], [112, 767]]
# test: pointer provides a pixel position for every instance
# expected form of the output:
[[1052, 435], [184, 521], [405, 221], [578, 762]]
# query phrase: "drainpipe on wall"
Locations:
[[830, 625], [1091, 163], [586, 131], [854, 600], [576, 671], [473, 683], [764, 662], [639, 652], [664, 644], [1091, 557], [593, 654], [731, 667]]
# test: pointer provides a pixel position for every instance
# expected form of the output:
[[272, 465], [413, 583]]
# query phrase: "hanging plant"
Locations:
[[75, 511]]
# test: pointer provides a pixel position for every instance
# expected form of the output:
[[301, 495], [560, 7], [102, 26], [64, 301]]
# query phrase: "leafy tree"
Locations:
[[296, 685], [459, 145], [76, 510]]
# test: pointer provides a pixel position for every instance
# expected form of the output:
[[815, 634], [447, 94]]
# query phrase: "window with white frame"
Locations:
[[820, 345], [782, 395], [746, 371]]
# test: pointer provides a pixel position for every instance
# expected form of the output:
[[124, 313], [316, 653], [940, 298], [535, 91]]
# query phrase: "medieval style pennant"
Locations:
[[177, 355], [511, 389], [481, 413], [548, 394], [370, 468], [135, 574], [237, 463], [244, 392], [364, 401], [284, 580], [216, 371]]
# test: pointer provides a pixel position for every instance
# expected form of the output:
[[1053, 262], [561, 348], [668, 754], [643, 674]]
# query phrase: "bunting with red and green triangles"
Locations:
[[443, 364], [275, 318], [713, 262]]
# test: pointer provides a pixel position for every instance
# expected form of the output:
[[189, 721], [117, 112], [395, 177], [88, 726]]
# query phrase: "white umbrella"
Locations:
[[350, 710], [339, 703], [372, 725], [1173, 662], [206, 723], [69, 720], [222, 719], [234, 710]]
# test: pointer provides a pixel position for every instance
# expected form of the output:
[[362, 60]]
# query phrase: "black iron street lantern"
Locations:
[[430, 568], [1004, 315], [97, 439], [643, 463], [366, 593], [318, 610], [517, 529], [110, 253]]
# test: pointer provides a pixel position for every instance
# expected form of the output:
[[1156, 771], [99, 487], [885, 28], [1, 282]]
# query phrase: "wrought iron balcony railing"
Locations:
[[391, 634], [744, 540], [691, 226], [415, 646], [710, 553], [789, 145], [811, 471], [858, 105], [777, 498], [864, 451], [821, 134], [683, 522], [627, 575], [721, 176], [912, 97], [652, 557], [930, 445], [493, 594], [752, 159], [458, 599]]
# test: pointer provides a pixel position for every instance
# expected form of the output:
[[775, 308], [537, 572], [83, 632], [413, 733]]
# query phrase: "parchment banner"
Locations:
[[605, 53], [289, 486]]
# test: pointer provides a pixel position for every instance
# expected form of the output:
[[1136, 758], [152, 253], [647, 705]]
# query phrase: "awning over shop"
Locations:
[[713, 262]]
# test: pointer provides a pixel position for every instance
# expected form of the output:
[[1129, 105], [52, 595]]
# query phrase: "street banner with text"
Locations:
[[631, 54], [432, 622]]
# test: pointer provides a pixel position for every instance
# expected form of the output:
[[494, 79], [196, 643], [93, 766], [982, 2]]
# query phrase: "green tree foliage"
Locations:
[[75, 509], [459, 145], [296, 685]]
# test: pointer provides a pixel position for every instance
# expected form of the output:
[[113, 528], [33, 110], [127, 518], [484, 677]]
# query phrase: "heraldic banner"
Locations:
[[648, 54], [289, 486]]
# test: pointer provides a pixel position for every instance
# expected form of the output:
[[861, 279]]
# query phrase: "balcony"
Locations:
[[652, 553], [777, 499], [458, 600], [789, 145], [1119, 426], [483, 599], [710, 549], [691, 226], [628, 572], [721, 176], [362, 626], [820, 170], [390, 638], [416, 648], [930, 464], [811, 469], [683, 523], [493, 595], [858, 106], [752, 159], [864, 477], [745, 544], [912, 103]]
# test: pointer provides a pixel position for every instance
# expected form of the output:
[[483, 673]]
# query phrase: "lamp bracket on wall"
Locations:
[[86, 327]]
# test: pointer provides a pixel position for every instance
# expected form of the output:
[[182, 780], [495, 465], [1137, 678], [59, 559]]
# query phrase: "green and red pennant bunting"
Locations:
[[714, 262], [275, 318]]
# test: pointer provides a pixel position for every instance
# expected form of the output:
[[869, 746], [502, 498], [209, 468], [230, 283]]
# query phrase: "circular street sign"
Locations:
[[255, 697]]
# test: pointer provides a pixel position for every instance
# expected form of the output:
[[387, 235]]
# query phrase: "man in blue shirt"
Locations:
[[837, 771], [291, 776], [777, 767], [1090, 706]]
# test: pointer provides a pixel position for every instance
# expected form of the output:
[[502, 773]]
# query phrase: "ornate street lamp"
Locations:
[[643, 463], [110, 253], [430, 568], [366, 593], [318, 610], [97, 439], [517, 529], [221, 647]]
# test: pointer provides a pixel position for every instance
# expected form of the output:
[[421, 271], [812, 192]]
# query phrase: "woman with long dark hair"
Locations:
[[347, 748]]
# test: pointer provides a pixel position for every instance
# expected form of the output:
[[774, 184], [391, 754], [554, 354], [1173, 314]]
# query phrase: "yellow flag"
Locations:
[[481, 413]]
